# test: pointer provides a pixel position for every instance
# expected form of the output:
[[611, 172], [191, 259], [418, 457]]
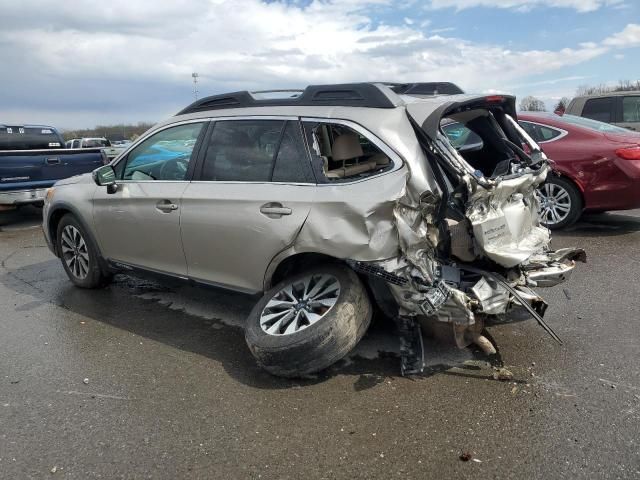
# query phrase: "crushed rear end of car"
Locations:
[[475, 248]]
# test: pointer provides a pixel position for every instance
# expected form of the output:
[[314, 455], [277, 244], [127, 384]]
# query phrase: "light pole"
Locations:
[[195, 85]]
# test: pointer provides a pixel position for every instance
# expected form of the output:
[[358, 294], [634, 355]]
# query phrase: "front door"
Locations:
[[139, 224], [248, 203]]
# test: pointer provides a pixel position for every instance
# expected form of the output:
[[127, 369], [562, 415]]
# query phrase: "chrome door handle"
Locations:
[[275, 209], [166, 206]]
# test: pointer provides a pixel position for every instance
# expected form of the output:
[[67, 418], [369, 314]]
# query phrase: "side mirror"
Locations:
[[105, 176]]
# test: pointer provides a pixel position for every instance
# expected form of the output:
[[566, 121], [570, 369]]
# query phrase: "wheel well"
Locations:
[[54, 220], [377, 290], [297, 263]]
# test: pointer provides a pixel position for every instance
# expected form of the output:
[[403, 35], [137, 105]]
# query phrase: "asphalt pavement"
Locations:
[[143, 380]]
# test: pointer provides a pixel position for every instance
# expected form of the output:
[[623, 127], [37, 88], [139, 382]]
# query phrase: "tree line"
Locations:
[[533, 104], [120, 131]]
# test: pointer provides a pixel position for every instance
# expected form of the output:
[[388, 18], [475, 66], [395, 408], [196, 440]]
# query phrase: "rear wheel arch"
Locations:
[[295, 263], [377, 290]]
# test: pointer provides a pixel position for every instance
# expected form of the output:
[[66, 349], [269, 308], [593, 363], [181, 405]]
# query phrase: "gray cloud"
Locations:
[[70, 64]]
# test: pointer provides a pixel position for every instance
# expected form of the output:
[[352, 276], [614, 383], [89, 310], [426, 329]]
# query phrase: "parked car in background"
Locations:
[[111, 151], [618, 108], [32, 158], [328, 202], [597, 166]]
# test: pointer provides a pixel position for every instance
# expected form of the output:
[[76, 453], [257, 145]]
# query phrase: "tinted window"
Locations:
[[540, 133], [29, 138], [461, 136], [631, 109], [598, 109], [292, 164], [242, 150], [163, 156]]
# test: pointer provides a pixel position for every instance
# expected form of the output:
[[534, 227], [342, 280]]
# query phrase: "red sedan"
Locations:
[[597, 165]]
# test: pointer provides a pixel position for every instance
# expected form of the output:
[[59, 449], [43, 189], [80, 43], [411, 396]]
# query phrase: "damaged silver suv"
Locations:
[[330, 201]]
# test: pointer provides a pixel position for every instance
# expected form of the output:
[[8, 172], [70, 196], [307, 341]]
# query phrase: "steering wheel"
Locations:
[[174, 169]]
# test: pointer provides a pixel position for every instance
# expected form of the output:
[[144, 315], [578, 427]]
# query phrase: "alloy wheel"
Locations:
[[555, 203], [300, 304], [74, 252]]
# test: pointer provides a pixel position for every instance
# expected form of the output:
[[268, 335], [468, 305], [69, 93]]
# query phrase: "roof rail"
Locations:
[[425, 88], [346, 94]]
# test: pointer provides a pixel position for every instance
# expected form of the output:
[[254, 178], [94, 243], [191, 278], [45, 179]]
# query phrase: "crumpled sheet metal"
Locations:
[[505, 219], [354, 227]]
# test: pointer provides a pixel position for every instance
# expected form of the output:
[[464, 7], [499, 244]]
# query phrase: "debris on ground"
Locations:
[[566, 293], [466, 456], [502, 374], [54, 469], [85, 381]]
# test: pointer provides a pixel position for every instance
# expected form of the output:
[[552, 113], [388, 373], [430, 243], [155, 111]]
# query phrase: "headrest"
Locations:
[[346, 146]]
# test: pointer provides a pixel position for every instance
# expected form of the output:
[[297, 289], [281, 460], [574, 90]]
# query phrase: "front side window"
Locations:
[[539, 132], [631, 109], [598, 109], [256, 151], [163, 156], [340, 153]]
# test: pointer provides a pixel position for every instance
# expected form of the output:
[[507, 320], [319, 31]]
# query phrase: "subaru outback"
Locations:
[[332, 201]]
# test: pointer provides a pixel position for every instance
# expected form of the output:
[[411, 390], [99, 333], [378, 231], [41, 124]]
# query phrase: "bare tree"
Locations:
[[623, 86], [532, 104]]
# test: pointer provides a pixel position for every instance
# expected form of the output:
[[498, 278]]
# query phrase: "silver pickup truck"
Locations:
[[110, 150]]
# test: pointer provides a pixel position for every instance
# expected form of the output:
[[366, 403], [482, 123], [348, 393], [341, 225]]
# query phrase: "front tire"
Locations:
[[560, 203], [309, 321], [79, 254]]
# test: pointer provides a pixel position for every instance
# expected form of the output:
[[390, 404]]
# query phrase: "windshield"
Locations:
[[593, 124]]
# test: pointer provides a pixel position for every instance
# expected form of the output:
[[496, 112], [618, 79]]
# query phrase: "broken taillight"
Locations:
[[629, 153]]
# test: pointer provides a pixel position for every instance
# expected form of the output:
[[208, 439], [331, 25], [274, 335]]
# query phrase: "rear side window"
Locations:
[[539, 132], [598, 109], [29, 138], [292, 163], [631, 109], [340, 153], [256, 151]]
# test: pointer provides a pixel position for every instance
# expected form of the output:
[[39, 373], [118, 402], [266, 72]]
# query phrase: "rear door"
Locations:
[[248, 201], [139, 224]]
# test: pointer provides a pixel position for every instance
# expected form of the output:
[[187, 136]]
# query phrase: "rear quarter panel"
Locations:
[[589, 160]]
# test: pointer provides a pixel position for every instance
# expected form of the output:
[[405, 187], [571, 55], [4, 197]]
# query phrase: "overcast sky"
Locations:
[[76, 63]]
